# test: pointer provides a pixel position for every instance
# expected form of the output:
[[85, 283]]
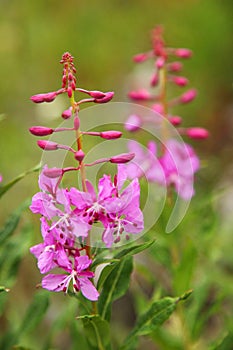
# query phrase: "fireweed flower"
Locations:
[[68, 215], [177, 162]]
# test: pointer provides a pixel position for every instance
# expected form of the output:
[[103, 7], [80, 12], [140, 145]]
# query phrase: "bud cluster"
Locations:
[[68, 215], [166, 72]]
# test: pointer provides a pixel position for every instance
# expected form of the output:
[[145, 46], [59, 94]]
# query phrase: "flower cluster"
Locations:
[[177, 161], [68, 215]]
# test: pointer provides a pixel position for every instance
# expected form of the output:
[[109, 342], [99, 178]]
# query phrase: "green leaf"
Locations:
[[34, 313], [115, 285], [12, 222], [7, 187], [225, 343], [97, 331], [153, 318], [135, 249]]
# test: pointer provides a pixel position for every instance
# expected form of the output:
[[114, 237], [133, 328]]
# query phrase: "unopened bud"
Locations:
[[53, 172], [133, 123], [48, 97], [183, 53], [76, 123], [66, 114], [188, 96], [108, 96], [69, 92], [40, 130], [158, 107], [155, 79], [180, 81], [79, 155], [160, 62], [175, 120], [97, 94], [122, 158], [110, 135], [47, 145], [175, 66], [197, 133], [140, 95], [141, 57]]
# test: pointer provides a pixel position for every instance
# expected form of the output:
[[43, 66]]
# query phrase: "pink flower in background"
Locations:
[[179, 164]]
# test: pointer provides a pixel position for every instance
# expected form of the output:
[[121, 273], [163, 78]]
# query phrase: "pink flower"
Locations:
[[78, 275], [179, 164]]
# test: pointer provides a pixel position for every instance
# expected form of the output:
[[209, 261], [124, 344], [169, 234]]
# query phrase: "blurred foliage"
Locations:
[[103, 35]]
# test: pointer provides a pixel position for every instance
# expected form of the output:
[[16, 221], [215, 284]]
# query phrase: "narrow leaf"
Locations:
[[153, 318], [97, 331], [115, 285], [135, 249], [5, 188], [34, 313], [12, 222]]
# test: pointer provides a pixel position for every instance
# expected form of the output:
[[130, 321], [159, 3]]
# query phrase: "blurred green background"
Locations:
[[103, 36]]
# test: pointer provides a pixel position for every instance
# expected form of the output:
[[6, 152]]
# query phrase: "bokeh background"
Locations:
[[103, 36]]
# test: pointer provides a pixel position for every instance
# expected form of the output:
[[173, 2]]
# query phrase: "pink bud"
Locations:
[[47, 145], [183, 53], [160, 62], [140, 95], [175, 120], [122, 158], [76, 123], [48, 97], [53, 172], [141, 57], [188, 96], [133, 123], [158, 107], [66, 114], [40, 131], [110, 135], [97, 94], [155, 79], [180, 81], [197, 133], [108, 96], [79, 155], [175, 66], [69, 91]]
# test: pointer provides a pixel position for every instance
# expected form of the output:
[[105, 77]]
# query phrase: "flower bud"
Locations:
[[76, 123], [66, 114], [197, 133], [183, 53], [108, 96], [175, 66], [140, 95], [69, 92], [40, 130], [154, 80], [158, 107], [79, 155], [53, 172], [48, 97], [133, 123], [188, 96], [47, 145], [141, 57], [122, 158], [160, 62], [97, 94], [175, 120], [180, 81], [110, 135]]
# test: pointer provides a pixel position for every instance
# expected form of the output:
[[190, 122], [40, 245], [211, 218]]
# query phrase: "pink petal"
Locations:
[[88, 289]]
